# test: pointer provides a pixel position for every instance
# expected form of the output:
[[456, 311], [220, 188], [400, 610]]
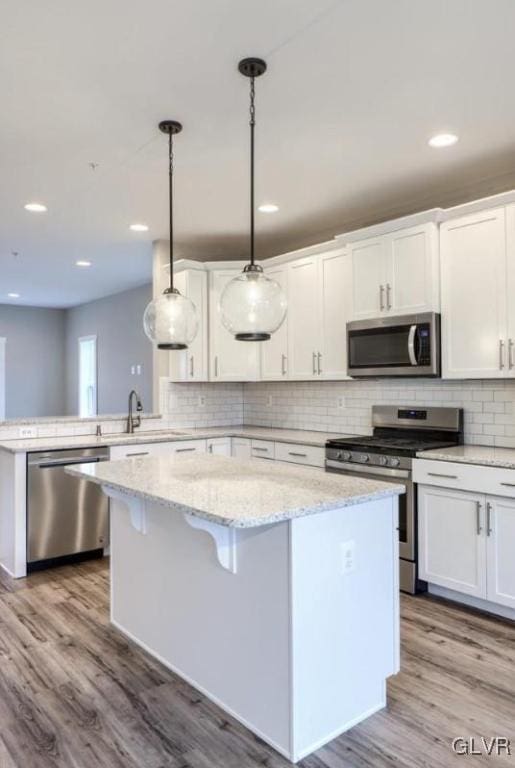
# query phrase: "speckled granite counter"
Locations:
[[474, 454], [305, 437], [239, 493]]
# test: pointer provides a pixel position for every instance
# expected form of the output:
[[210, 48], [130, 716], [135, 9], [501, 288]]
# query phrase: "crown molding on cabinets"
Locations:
[[483, 204], [433, 215]]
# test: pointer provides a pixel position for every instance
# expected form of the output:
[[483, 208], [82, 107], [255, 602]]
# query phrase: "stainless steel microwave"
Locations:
[[407, 345]]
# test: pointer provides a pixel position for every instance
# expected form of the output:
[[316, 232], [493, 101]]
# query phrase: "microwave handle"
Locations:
[[411, 345]]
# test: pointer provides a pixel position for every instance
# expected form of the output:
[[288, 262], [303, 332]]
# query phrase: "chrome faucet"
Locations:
[[133, 421]]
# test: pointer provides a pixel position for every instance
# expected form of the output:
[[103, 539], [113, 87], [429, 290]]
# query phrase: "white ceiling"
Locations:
[[353, 91]]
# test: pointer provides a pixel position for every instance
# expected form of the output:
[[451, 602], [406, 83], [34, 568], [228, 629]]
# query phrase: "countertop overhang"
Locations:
[[482, 455], [238, 493]]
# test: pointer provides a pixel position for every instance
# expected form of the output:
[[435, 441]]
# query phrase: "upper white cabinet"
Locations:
[[192, 364], [274, 353], [317, 316], [396, 273], [229, 360], [477, 337]]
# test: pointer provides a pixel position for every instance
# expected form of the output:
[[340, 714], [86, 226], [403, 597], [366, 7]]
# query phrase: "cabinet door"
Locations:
[[303, 319], [412, 283], [241, 447], [191, 364], [187, 447], [274, 352], [500, 551], [335, 273], [452, 541], [220, 446], [368, 278], [510, 288], [473, 269], [230, 360]]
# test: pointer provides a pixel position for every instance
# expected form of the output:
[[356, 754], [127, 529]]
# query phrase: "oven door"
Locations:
[[407, 515], [395, 346]]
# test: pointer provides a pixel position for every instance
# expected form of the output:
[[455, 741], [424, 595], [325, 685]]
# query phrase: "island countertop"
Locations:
[[238, 493]]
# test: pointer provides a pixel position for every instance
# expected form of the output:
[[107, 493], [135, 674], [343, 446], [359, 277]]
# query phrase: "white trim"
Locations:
[[3, 376], [471, 601]]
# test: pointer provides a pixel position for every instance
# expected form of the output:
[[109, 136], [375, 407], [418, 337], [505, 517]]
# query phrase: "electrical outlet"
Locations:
[[138, 370], [269, 401], [133, 370], [341, 403], [201, 401], [348, 556], [27, 432]]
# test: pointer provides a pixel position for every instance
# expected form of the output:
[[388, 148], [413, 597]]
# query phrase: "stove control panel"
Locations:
[[362, 460]]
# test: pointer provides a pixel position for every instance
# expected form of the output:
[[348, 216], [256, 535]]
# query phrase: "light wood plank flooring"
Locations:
[[75, 694]]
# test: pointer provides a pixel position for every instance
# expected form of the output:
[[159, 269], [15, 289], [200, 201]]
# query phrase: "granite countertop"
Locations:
[[305, 437], [238, 493], [473, 454]]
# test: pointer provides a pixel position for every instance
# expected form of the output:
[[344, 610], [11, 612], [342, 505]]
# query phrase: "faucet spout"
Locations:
[[133, 421]]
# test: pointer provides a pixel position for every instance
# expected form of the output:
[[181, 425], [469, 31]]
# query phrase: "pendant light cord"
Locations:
[[170, 200], [252, 127]]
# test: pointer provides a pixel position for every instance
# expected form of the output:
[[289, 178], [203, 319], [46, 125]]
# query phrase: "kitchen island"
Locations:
[[272, 589]]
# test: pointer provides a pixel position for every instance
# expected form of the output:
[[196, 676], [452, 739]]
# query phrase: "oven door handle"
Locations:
[[362, 469], [411, 345]]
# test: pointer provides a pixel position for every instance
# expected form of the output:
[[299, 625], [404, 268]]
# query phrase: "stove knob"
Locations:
[[394, 462], [383, 461], [338, 454], [363, 458], [347, 455]]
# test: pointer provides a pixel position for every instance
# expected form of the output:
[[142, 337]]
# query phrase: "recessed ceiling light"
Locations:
[[82, 263], [35, 207], [268, 208], [443, 140], [139, 227], [14, 295]]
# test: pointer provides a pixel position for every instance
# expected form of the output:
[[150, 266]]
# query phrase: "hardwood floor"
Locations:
[[75, 694]]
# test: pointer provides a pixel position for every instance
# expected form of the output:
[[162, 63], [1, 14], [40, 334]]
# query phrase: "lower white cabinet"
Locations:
[[220, 446], [466, 543], [241, 447], [157, 449], [187, 446], [262, 449]]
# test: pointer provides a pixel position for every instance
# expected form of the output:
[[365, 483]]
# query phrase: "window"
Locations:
[[88, 398]]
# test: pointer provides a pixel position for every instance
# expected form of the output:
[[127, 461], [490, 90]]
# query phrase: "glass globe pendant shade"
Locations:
[[252, 306], [171, 321]]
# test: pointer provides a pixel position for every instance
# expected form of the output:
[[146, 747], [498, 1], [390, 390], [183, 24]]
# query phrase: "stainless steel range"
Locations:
[[400, 432]]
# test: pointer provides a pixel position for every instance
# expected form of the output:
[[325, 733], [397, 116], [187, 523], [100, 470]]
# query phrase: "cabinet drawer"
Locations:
[[187, 447], [134, 451], [262, 449], [467, 477], [311, 455]]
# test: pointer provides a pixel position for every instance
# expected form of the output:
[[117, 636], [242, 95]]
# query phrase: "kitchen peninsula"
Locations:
[[272, 589]]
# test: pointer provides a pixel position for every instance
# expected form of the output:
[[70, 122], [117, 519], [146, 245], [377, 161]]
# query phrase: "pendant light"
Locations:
[[252, 306], [171, 321]]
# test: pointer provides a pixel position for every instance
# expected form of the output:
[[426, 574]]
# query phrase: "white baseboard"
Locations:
[[473, 602]]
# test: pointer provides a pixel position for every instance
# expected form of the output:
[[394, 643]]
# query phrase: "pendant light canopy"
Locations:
[[171, 321], [252, 306]]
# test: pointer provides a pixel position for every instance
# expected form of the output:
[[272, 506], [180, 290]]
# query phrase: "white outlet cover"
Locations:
[[348, 555], [201, 401], [270, 401], [27, 432], [341, 402]]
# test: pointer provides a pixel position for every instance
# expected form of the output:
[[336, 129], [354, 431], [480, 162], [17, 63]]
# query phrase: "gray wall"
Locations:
[[117, 321], [35, 362]]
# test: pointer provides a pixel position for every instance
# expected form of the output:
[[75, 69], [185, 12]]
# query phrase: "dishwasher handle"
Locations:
[[65, 462]]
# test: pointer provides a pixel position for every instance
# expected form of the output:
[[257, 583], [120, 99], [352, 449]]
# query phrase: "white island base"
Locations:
[[291, 628]]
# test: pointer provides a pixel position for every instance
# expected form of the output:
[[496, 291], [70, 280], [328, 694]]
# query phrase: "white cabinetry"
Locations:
[[229, 360], [452, 547], [466, 535], [157, 449], [274, 353], [396, 273], [241, 447], [192, 364], [220, 446], [474, 266], [317, 316]]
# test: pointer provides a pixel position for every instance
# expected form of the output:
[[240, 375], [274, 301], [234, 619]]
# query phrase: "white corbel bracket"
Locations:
[[225, 539], [137, 508]]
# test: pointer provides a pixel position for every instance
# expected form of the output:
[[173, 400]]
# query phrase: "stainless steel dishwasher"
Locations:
[[65, 515]]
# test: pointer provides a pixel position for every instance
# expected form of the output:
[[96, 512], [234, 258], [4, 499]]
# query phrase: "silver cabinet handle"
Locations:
[[283, 365], [184, 450], [437, 474], [210, 448], [192, 367], [388, 299], [381, 298], [509, 485], [488, 518], [501, 354], [258, 448], [140, 453], [478, 517], [510, 353], [319, 358], [216, 365], [314, 363], [411, 345], [300, 455]]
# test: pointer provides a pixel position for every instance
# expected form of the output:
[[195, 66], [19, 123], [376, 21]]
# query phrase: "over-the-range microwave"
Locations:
[[406, 345]]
